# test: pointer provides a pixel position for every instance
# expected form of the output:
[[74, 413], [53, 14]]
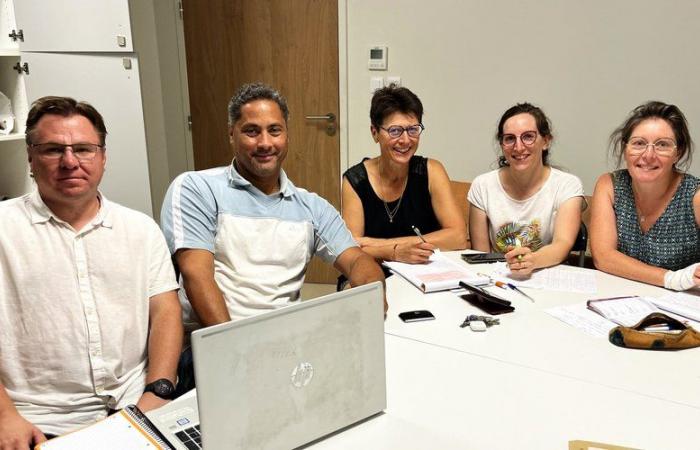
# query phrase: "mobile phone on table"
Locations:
[[487, 306], [416, 316], [486, 301], [483, 258]]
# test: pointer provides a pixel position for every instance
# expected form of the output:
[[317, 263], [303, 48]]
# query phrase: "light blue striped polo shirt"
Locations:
[[261, 243]]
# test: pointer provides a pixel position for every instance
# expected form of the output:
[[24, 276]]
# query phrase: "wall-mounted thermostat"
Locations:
[[377, 58]]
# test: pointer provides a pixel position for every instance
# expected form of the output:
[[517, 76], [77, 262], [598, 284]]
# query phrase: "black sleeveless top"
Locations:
[[415, 209]]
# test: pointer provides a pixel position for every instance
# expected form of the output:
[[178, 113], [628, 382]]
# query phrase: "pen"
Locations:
[[658, 328], [520, 291], [518, 244], [418, 233], [501, 284]]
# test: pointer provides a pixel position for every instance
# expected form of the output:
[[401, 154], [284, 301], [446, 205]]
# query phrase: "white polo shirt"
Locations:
[[74, 310]]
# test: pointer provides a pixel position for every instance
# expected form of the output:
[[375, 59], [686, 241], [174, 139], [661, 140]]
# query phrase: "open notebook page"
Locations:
[[119, 431]]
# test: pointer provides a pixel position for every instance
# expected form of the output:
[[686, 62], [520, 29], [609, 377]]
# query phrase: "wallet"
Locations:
[[486, 301], [678, 336]]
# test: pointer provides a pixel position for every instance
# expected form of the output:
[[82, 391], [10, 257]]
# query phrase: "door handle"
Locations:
[[329, 117], [331, 128]]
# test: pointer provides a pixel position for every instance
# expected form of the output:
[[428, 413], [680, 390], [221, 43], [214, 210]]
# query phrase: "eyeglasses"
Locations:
[[662, 147], [527, 138], [396, 131], [52, 151]]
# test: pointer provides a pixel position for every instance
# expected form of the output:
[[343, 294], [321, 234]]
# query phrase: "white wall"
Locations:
[[587, 64], [155, 25]]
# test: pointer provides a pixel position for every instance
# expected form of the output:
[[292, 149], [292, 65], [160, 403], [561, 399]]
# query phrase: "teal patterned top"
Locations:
[[673, 242]]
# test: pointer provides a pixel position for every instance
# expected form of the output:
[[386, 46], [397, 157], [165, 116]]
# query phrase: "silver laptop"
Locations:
[[284, 378]]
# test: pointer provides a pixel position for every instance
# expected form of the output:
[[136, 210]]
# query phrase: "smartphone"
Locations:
[[483, 258], [487, 305], [416, 316], [485, 301]]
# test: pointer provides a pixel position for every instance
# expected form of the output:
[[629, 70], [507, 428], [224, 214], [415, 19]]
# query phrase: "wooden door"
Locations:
[[291, 45]]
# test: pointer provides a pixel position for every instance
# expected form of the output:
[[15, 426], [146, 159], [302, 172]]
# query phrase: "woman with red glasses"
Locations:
[[526, 209], [386, 197], [646, 218]]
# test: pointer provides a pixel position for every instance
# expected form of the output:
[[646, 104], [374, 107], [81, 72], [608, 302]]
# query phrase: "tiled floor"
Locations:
[[313, 290]]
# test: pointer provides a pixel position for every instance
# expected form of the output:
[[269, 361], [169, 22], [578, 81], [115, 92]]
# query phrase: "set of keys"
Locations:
[[479, 323]]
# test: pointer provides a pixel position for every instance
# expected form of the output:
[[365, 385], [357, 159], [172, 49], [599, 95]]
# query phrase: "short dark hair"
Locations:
[[65, 107], [391, 99], [654, 110], [544, 127], [250, 92]]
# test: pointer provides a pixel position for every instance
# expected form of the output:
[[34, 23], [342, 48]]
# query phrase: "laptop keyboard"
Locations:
[[190, 437]]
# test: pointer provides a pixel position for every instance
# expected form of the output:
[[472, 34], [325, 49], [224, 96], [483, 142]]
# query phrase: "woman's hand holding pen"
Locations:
[[413, 253], [520, 260]]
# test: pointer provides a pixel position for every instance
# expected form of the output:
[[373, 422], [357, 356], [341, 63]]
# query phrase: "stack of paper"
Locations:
[[625, 311]]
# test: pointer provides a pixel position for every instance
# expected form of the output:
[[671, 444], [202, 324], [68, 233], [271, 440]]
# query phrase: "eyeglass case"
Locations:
[[678, 336]]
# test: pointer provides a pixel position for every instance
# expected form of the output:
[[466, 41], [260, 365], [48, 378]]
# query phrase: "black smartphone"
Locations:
[[487, 305], [416, 316], [483, 258], [485, 301]]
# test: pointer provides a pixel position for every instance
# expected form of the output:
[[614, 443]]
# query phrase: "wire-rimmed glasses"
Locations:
[[528, 138], [636, 146], [53, 151]]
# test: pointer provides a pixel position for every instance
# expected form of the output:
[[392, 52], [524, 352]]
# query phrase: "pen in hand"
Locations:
[[418, 233], [518, 244]]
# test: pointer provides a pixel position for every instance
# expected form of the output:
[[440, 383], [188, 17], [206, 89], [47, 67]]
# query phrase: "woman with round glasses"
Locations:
[[526, 209], [646, 218], [386, 196]]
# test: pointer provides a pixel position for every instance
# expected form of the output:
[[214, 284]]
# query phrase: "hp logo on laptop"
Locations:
[[302, 374]]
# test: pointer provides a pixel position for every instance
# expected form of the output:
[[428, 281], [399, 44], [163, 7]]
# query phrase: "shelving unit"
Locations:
[[11, 137], [14, 169], [126, 64]]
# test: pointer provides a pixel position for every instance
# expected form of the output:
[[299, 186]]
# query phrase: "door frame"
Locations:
[[184, 83], [343, 106]]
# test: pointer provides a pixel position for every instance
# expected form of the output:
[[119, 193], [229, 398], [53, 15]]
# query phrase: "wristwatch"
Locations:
[[163, 388]]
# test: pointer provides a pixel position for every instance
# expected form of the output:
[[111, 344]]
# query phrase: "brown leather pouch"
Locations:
[[678, 336]]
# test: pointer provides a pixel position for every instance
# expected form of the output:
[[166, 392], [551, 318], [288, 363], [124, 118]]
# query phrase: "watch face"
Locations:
[[162, 388]]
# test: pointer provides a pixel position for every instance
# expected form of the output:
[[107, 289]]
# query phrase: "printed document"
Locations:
[[551, 279]]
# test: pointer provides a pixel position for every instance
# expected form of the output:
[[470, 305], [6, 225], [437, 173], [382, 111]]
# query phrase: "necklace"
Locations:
[[391, 213]]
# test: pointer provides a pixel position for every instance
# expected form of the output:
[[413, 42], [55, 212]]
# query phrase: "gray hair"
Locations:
[[250, 92]]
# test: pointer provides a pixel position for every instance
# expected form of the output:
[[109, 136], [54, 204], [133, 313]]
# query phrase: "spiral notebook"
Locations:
[[126, 429], [440, 273]]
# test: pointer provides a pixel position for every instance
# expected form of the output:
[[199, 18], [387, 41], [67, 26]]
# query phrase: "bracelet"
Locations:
[[394, 258]]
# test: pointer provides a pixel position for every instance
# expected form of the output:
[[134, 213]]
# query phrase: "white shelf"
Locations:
[[9, 52], [11, 137]]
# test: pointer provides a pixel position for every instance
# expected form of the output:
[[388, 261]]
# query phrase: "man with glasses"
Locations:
[[243, 234], [90, 320]]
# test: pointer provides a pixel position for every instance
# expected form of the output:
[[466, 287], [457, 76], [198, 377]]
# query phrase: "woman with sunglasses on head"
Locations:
[[646, 218], [385, 197], [526, 209]]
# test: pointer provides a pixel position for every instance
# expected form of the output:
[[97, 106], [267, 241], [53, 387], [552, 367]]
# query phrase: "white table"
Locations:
[[444, 399], [530, 337], [532, 382]]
